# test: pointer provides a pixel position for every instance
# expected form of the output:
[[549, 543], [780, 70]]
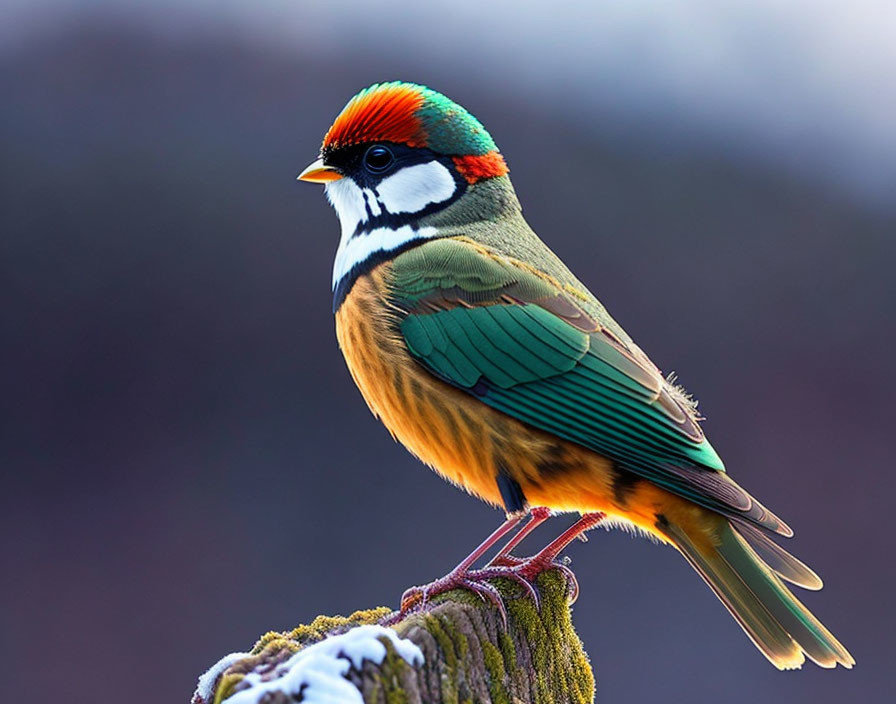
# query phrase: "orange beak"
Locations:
[[318, 172]]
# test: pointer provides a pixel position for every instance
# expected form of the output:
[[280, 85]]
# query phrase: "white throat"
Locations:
[[409, 190]]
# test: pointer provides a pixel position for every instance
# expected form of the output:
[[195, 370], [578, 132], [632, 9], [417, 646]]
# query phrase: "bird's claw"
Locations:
[[525, 570], [487, 592], [472, 580], [519, 570]]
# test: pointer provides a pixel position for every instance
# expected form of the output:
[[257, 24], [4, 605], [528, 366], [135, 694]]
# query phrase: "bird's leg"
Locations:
[[525, 570], [461, 576], [537, 516], [546, 558]]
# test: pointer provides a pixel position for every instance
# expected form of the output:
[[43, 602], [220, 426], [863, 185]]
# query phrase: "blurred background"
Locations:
[[186, 462]]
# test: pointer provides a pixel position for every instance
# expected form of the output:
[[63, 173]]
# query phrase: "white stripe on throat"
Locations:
[[411, 189], [358, 249]]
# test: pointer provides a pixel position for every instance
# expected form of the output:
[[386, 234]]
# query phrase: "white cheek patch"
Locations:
[[373, 203], [348, 200], [412, 188], [409, 190], [358, 249]]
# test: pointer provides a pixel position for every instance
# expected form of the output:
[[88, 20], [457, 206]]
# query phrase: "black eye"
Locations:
[[378, 159]]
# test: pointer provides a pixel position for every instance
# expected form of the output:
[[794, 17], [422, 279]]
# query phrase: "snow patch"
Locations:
[[205, 688], [318, 671]]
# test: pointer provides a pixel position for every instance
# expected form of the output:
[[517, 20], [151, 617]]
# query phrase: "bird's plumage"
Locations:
[[514, 339], [485, 356], [418, 117]]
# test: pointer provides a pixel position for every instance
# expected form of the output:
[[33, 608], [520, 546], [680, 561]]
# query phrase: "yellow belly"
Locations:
[[466, 441]]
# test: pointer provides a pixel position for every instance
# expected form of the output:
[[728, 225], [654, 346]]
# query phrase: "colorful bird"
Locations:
[[491, 362]]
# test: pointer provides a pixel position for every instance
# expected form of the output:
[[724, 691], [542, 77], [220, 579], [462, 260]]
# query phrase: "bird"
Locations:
[[484, 355]]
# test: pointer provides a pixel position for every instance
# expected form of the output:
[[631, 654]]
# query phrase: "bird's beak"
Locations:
[[319, 172]]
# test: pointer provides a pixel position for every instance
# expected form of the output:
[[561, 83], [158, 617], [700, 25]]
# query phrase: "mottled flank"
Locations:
[[624, 485], [411, 114], [420, 410]]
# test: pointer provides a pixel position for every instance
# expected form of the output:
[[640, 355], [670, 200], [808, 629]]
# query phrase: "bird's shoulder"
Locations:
[[458, 271], [469, 297]]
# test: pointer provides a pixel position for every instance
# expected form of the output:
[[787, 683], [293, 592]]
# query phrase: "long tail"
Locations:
[[774, 619]]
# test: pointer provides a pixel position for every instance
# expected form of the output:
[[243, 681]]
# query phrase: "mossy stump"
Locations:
[[467, 656]]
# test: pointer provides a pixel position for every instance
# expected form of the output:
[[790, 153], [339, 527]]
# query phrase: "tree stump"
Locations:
[[455, 649]]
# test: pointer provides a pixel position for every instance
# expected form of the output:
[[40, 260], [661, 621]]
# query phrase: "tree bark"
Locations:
[[467, 656]]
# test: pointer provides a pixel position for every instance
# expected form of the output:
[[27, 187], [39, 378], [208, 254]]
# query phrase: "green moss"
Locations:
[[494, 664], [459, 596], [319, 628], [561, 669], [574, 681], [526, 616], [461, 642], [558, 666], [446, 644], [391, 672], [458, 638], [508, 651], [276, 646], [265, 639], [226, 686]]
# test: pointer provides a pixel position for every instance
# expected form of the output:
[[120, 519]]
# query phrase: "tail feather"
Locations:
[[777, 558], [730, 498], [774, 619]]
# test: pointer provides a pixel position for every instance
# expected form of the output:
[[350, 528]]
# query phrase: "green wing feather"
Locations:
[[520, 343]]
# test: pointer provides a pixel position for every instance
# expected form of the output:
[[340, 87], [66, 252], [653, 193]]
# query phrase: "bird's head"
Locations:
[[397, 153]]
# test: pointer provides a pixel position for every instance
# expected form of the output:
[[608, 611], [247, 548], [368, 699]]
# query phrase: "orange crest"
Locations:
[[384, 113]]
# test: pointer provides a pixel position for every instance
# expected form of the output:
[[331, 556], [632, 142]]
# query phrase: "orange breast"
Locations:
[[460, 437]]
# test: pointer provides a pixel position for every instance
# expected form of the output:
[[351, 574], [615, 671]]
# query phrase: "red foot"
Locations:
[[417, 597], [529, 568], [522, 571]]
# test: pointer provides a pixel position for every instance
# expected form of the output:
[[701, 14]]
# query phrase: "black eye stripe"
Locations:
[[351, 160]]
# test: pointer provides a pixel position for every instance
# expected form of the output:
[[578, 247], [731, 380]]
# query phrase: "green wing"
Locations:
[[523, 345]]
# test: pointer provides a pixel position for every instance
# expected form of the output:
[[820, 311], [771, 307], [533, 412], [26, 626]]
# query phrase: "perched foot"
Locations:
[[527, 569], [472, 580], [463, 575], [522, 571], [549, 557]]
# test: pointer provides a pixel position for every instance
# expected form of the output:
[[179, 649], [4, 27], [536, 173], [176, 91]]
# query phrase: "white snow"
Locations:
[[319, 670], [205, 687]]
